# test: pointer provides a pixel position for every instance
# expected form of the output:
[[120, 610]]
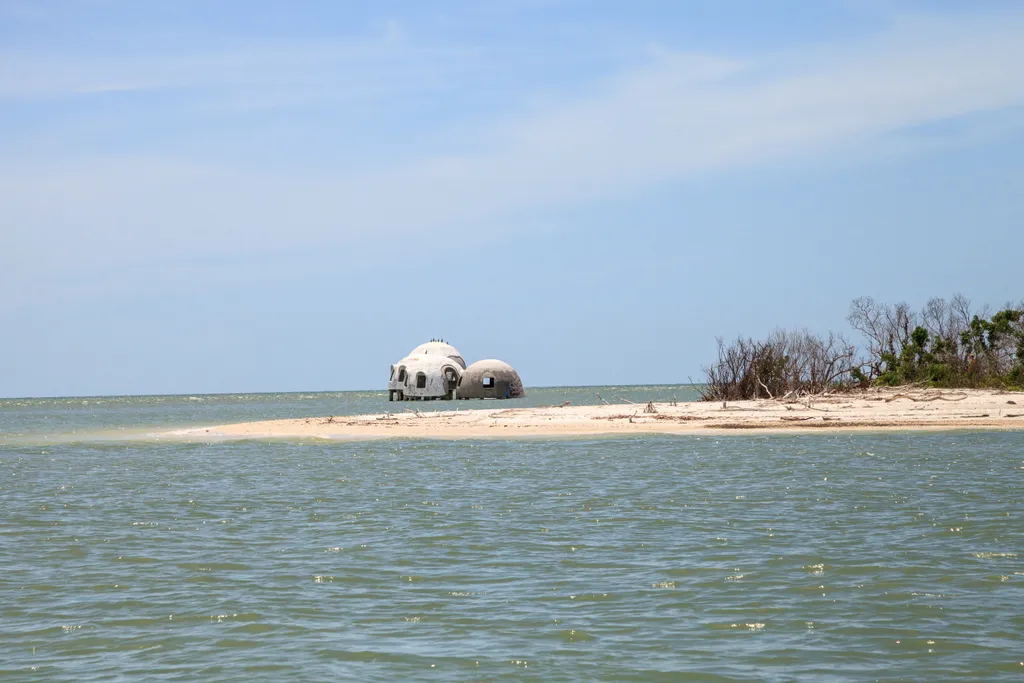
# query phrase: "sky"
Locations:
[[260, 196]]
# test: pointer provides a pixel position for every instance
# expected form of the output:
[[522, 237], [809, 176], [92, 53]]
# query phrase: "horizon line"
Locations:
[[324, 391]]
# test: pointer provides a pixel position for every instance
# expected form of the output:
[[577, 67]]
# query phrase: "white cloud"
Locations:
[[346, 69], [678, 116]]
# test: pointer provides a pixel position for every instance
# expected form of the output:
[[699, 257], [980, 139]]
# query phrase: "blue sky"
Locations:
[[270, 196]]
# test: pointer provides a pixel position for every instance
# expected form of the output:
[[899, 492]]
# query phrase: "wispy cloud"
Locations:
[[332, 69], [677, 116]]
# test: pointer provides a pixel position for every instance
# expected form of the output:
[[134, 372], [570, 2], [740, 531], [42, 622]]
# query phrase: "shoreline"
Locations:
[[898, 409]]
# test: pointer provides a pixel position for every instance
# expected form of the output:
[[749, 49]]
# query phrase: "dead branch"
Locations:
[[925, 399], [806, 403], [680, 418]]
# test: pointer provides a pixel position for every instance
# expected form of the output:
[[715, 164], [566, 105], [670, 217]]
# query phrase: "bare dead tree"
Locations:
[[787, 362], [947, 343], [886, 328]]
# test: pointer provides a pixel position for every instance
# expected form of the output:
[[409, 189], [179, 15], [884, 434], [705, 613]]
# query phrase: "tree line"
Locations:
[[945, 344]]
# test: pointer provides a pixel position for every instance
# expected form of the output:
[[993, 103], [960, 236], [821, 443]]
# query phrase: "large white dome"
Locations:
[[439, 348]]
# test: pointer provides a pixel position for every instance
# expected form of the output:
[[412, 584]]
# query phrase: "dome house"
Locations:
[[490, 379]]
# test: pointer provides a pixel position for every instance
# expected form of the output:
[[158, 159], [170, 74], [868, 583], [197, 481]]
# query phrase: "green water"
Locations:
[[889, 556]]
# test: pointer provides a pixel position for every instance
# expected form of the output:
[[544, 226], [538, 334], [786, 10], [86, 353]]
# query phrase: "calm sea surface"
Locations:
[[124, 556]]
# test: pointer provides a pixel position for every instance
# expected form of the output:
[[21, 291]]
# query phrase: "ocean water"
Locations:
[[26, 421], [869, 556]]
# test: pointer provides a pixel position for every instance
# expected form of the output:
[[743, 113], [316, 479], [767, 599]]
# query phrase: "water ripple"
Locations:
[[771, 558]]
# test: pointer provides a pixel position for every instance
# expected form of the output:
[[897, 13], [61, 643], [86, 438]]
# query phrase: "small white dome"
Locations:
[[492, 364], [491, 378]]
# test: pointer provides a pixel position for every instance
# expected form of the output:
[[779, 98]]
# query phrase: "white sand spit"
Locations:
[[874, 409]]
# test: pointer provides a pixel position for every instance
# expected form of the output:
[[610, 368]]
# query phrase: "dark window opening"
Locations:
[[488, 382], [421, 381], [401, 375], [392, 372]]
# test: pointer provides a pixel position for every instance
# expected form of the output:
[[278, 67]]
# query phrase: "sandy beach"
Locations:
[[873, 409]]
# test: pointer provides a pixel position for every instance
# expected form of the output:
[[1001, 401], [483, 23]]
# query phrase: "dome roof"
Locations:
[[428, 362], [491, 364], [439, 348], [503, 380]]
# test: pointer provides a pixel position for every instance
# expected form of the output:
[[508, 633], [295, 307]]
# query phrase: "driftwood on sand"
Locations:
[[873, 409]]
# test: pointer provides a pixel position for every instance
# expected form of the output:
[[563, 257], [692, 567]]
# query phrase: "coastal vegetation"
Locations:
[[947, 344]]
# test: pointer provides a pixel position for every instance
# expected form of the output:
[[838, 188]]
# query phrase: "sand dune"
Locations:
[[868, 410]]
